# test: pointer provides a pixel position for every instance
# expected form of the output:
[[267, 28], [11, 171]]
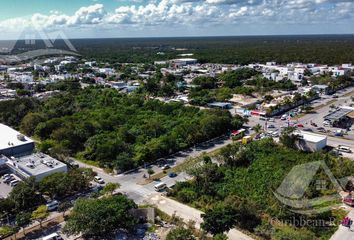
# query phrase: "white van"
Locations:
[[343, 148], [159, 187], [53, 236], [53, 205]]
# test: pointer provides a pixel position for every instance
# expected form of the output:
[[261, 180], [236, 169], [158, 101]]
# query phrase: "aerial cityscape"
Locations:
[[177, 120]]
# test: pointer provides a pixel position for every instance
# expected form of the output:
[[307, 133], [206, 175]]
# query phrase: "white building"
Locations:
[[16, 155], [311, 142], [183, 61], [37, 165], [13, 143]]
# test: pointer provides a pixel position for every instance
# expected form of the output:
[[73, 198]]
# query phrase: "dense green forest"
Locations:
[[116, 130], [239, 190], [331, 49], [327, 49]]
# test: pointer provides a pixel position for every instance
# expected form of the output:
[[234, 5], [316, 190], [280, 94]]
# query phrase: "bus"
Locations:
[[159, 187]]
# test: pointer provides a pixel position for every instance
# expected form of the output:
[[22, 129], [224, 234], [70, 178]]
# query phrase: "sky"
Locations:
[[170, 18]]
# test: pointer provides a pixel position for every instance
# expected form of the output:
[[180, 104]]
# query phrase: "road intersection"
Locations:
[[131, 182]]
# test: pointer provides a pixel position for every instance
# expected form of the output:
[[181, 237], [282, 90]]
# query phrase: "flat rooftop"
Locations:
[[37, 164], [336, 115], [12, 138], [312, 137]]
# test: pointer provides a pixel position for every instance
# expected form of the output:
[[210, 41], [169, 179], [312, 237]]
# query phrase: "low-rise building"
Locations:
[[16, 156], [310, 142], [37, 165], [13, 143]]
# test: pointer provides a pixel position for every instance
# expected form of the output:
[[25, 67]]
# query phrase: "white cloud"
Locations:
[[194, 13]]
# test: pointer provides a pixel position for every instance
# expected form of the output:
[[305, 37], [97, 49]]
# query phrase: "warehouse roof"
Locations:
[[37, 163], [11, 138], [336, 115], [312, 137]]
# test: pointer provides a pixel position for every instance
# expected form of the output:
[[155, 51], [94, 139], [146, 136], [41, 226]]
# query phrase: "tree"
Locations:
[[268, 98], [7, 206], [257, 128], [150, 171], [100, 218], [288, 138], [180, 233], [64, 206], [23, 219], [219, 219], [24, 195], [220, 237], [40, 214], [30, 122], [110, 188], [205, 82]]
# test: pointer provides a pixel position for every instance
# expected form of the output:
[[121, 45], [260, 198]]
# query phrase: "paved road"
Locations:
[[146, 194], [130, 182], [187, 213]]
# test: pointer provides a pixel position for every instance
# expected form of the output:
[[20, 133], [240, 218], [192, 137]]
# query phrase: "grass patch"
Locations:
[[80, 158]]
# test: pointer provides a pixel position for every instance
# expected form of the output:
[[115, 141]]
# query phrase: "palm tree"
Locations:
[[257, 128]]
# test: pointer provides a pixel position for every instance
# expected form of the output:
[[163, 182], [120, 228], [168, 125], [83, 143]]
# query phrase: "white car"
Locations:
[[53, 205], [165, 167], [99, 180]]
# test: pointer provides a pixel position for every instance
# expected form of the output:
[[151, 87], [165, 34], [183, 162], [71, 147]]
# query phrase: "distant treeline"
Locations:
[[327, 49]]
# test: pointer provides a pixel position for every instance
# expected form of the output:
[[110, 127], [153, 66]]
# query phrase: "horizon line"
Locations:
[[201, 36]]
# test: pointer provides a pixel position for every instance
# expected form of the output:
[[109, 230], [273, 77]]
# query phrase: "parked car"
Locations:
[[14, 183], [321, 129], [5, 176], [99, 180], [271, 126], [172, 174], [307, 129], [9, 179], [314, 124], [165, 167], [53, 205], [299, 125]]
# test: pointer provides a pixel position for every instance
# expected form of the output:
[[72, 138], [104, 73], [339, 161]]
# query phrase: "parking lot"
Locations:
[[5, 188]]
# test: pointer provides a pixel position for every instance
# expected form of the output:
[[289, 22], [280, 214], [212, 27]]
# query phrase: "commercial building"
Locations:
[[183, 62], [37, 165], [13, 143], [221, 105], [310, 142], [16, 156], [340, 118]]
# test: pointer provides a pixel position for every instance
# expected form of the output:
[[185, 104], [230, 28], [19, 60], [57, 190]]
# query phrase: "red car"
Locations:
[[299, 125]]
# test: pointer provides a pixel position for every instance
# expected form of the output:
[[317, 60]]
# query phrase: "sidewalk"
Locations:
[[54, 219], [187, 213]]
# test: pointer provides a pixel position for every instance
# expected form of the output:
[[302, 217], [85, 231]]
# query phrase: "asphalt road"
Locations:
[[131, 182], [187, 213]]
